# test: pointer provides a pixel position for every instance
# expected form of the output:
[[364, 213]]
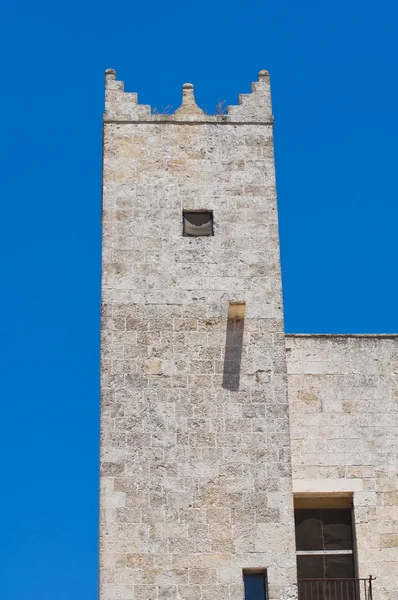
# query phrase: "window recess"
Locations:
[[197, 223], [324, 543]]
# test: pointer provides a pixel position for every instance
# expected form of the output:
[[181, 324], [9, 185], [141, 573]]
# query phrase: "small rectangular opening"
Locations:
[[197, 223], [255, 584]]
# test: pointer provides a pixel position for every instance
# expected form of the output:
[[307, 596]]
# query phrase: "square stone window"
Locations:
[[197, 223]]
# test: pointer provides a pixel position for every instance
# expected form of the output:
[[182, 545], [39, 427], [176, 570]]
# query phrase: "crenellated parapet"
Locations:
[[254, 107], [121, 105]]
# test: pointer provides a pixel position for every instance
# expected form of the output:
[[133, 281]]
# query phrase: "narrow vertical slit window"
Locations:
[[255, 585], [197, 223]]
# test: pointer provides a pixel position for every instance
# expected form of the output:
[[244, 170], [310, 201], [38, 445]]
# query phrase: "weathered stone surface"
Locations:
[[196, 444], [343, 393], [195, 449]]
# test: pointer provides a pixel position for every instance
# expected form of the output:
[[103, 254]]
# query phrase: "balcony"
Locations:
[[335, 589]]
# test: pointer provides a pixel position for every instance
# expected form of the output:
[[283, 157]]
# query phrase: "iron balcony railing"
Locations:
[[335, 589]]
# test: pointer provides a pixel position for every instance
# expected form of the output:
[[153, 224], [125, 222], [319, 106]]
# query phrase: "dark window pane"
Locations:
[[339, 565], [308, 529], [330, 566], [323, 529], [198, 223], [337, 529], [255, 586], [310, 566]]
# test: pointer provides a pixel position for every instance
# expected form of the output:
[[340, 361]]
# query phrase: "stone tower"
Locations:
[[196, 485]]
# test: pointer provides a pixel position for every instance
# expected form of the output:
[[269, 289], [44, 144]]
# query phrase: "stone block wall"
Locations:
[[195, 450], [343, 396]]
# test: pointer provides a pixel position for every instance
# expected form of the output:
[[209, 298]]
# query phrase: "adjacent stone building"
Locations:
[[208, 490]]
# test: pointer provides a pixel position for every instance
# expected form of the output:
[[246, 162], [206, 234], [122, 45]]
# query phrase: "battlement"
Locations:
[[254, 107]]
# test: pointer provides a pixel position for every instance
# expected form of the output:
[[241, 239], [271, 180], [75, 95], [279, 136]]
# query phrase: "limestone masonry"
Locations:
[[198, 483]]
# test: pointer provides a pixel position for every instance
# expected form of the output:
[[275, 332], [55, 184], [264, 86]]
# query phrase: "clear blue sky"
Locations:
[[334, 78]]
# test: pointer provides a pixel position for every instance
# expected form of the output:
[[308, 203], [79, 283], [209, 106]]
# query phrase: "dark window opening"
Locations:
[[324, 543], [255, 585], [197, 223], [325, 566]]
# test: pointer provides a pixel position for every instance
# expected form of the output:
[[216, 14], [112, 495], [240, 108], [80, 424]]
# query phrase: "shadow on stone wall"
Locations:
[[233, 354]]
